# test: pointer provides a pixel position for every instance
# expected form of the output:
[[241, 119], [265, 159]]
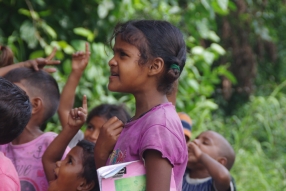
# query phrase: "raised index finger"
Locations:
[[87, 49], [52, 55], [84, 102]]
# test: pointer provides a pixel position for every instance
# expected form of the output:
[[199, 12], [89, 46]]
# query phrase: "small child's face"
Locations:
[[68, 172], [208, 143], [93, 128]]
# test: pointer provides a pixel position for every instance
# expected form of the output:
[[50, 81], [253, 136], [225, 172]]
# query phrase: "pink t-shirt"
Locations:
[[8, 176], [27, 159], [159, 129]]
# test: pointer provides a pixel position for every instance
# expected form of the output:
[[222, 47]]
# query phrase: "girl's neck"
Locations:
[[146, 101], [28, 134]]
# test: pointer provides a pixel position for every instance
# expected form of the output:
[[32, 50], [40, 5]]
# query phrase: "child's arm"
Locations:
[[219, 173], [57, 148], [36, 64], [79, 63], [106, 141], [158, 171]]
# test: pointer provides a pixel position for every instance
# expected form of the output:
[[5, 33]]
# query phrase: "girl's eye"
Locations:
[[122, 54], [90, 128], [69, 161]]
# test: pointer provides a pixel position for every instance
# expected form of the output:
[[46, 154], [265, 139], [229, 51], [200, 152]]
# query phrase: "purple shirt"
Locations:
[[27, 159], [159, 129]]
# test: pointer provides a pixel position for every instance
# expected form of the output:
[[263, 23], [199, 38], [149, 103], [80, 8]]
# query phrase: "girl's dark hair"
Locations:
[[6, 56], [156, 39], [15, 111], [89, 168], [109, 110]]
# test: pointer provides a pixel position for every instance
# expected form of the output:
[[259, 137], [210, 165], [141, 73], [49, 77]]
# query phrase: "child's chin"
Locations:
[[112, 88]]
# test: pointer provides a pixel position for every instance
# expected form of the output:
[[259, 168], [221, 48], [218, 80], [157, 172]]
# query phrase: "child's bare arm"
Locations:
[[219, 173], [57, 148], [158, 171], [79, 63], [36, 64]]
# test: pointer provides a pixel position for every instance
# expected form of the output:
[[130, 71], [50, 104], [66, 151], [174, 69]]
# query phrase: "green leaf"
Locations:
[[223, 4], [84, 32], [217, 48], [49, 30], [25, 12], [104, 8], [28, 34], [37, 54]]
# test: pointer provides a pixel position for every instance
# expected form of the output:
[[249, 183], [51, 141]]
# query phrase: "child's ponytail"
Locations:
[[176, 66], [6, 56]]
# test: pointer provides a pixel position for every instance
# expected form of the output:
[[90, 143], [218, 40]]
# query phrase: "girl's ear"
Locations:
[[84, 186], [37, 105], [156, 66]]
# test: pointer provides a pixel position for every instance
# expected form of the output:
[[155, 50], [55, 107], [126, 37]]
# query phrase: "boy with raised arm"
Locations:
[[209, 161], [26, 150], [77, 171], [79, 63]]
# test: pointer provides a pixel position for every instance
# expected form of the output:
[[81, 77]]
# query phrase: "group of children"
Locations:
[[149, 57]]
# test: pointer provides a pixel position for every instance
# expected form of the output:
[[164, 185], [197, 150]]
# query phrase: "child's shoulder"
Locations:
[[164, 120], [163, 113]]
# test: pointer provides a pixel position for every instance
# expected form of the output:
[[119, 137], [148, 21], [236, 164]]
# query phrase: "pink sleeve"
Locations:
[[160, 138], [66, 152], [8, 183]]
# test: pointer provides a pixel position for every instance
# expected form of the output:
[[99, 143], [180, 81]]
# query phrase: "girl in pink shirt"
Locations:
[[149, 57]]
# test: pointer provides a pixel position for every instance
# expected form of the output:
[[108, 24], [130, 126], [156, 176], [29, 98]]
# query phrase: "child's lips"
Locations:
[[114, 73]]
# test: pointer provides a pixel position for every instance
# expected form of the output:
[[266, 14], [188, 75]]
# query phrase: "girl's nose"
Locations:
[[94, 136], [112, 62]]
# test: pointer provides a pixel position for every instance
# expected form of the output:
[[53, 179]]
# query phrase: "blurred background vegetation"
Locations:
[[233, 81]]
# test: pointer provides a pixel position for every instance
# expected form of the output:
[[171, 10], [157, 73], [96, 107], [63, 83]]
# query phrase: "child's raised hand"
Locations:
[[77, 116], [80, 59], [194, 151], [106, 141], [39, 63]]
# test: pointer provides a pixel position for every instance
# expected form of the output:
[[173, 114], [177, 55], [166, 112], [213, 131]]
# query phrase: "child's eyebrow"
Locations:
[[207, 139], [119, 50], [72, 158]]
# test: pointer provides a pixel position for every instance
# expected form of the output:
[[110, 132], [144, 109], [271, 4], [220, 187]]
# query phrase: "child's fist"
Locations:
[[194, 151], [77, 116], [109, 134]]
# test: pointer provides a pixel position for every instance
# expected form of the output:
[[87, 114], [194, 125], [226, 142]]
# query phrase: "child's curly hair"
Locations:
[[89, 169]]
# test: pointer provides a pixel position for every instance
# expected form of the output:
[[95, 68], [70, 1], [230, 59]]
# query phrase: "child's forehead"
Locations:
[[76, 150], [211, 135]]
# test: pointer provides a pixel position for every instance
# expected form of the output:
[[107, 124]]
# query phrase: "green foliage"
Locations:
[[44, 25], [31, 28]]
